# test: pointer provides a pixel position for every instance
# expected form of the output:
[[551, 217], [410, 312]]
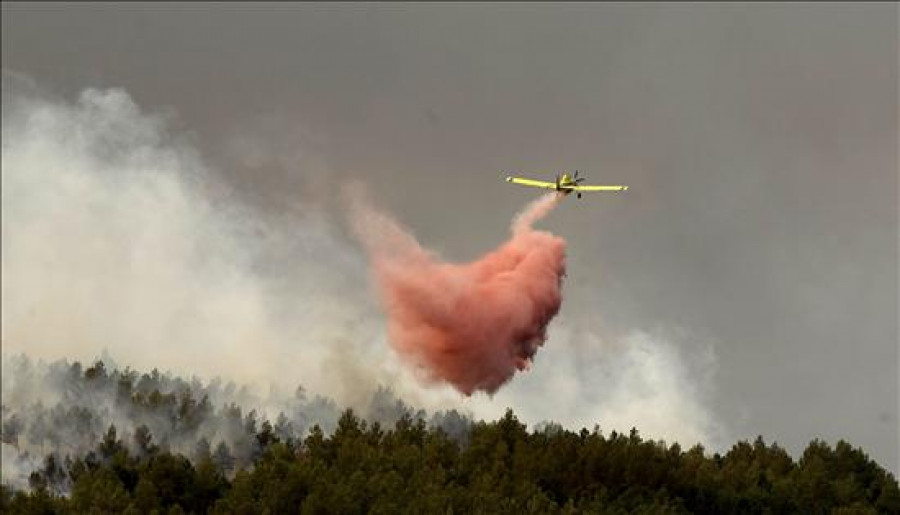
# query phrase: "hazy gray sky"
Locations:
[[759, 141]]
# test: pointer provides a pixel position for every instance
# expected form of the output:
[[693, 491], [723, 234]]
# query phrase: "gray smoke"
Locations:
[[118, 236]]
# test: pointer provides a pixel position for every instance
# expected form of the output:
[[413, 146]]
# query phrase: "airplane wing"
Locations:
[[600, 188], [532, 183]]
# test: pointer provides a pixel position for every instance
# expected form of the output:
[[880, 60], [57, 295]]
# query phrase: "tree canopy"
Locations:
[[413, 466]]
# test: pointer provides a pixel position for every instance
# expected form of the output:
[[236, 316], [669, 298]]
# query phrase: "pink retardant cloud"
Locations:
[[471, 325]]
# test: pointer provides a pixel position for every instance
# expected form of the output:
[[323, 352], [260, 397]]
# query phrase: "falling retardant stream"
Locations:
[[472, 325]]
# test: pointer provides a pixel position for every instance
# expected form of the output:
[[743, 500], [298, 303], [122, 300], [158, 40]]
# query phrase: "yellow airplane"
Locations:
[[564, 183]]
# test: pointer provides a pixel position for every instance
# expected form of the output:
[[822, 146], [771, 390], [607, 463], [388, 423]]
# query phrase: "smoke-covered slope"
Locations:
[[65, 409]]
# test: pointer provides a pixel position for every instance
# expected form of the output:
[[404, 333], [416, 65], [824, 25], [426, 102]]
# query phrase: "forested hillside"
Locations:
[[118, 441]]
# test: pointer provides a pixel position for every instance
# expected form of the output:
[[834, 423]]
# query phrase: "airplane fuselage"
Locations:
[[565, 184]]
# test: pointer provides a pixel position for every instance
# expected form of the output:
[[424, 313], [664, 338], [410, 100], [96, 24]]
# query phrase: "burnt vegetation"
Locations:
[[122, 442]]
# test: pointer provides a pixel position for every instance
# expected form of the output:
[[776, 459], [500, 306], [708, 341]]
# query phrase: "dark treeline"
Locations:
[[503, 468], [410, 464]]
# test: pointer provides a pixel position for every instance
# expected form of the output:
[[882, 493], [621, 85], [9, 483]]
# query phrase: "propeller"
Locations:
[[576, 180]]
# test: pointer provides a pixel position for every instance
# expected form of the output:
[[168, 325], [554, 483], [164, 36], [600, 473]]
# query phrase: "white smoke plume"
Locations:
[[117, 235], [16, 467]]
